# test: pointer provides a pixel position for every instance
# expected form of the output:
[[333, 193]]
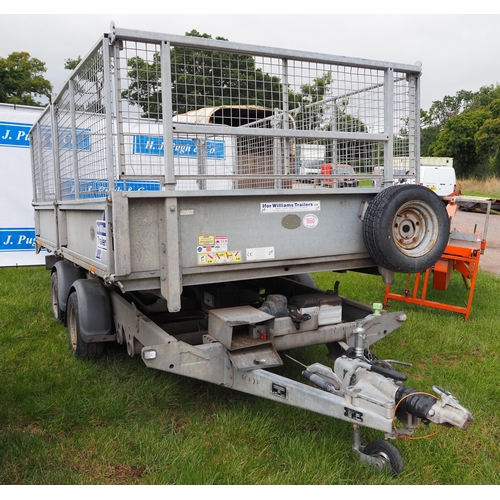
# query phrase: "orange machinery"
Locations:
[[462, 254]]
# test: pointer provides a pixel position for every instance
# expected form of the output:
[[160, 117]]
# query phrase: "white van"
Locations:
[[441, 180], [436, 173]]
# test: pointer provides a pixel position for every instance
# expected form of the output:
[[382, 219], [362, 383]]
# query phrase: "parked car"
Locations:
[[347, 172]]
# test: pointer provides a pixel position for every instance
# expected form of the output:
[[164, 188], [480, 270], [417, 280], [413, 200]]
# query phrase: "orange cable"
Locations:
[[408, 438]]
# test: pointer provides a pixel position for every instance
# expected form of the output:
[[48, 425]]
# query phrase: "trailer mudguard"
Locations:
[[67, 274], [95, 318]]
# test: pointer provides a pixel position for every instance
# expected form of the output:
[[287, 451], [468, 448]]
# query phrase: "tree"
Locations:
[[457, 140], [310, 105], [441, 111], [466, 127], [487, 140], [144, 90], [201, 78], [316, 108], [483, 97], [207, 78], [71, 64], [88, 83], [21, 79]]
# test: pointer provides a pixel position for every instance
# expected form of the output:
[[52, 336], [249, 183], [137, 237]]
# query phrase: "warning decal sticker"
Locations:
[[219, 257]]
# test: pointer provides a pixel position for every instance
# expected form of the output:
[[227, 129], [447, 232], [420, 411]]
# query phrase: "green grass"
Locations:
[[488, 188], [114, 421]]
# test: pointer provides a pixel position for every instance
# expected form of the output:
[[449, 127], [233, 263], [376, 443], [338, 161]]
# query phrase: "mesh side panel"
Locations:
[[163, 113]]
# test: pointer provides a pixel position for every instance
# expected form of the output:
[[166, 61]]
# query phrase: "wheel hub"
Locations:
[[415, 229]]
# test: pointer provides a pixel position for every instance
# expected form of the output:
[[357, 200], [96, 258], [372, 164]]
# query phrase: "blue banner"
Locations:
[[83, 140], [15, 135], [153, 145], [99, 188], [17, 239]]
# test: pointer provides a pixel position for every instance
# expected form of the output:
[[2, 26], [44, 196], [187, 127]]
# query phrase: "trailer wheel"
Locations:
[[406, 228], [80, 348], [389, 454]]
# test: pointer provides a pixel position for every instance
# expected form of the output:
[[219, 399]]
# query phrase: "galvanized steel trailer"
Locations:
[[167, 190]]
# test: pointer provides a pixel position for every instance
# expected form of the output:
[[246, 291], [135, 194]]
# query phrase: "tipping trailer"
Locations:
[[165, 192]]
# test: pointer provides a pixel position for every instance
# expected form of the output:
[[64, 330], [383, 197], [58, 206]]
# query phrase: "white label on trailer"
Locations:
[[269, 207], [101, 244], [262, 253], [101, 234], [310, 220]]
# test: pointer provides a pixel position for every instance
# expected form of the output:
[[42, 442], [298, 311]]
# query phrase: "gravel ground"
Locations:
[[466, 221]]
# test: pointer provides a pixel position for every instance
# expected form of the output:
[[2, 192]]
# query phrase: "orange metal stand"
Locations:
[[461, 254]]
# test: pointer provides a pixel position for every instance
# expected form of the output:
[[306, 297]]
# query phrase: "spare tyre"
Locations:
[[406, 228]]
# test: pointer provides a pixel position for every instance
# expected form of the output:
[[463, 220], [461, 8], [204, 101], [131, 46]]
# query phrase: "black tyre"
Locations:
[[59, 314], [80, 348], [388, 453], [406, 228]]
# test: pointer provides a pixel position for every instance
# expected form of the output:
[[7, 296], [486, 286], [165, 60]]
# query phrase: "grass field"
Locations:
[[473, 187], [115, 422]]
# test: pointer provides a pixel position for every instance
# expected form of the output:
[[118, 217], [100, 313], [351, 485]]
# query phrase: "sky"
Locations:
[[459, 51]]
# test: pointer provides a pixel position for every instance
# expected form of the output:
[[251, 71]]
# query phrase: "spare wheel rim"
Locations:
[[415, 228]]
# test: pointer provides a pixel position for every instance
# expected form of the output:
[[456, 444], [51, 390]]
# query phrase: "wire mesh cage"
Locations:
[[154, 112]]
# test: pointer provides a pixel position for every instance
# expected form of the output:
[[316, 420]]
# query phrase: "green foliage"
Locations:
[[487, 139], [457, 140], [428, 136], [309, 108], [144, 90], [21, 79], [71, 64], [483, 97], [304, 104], [441, 111], [472, 139], [465, 127], [88, 83], [201, 78]]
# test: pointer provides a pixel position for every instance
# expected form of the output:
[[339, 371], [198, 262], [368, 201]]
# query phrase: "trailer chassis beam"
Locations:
[[211, 363]]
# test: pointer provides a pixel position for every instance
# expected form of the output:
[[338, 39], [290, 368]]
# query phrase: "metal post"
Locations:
[[54, 133], [388, 126], [287, 142], [201, 148], [414, 125], [109, 117], [118, 108], [168, 137], [40, 152], [170, 265], [74, 144]]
